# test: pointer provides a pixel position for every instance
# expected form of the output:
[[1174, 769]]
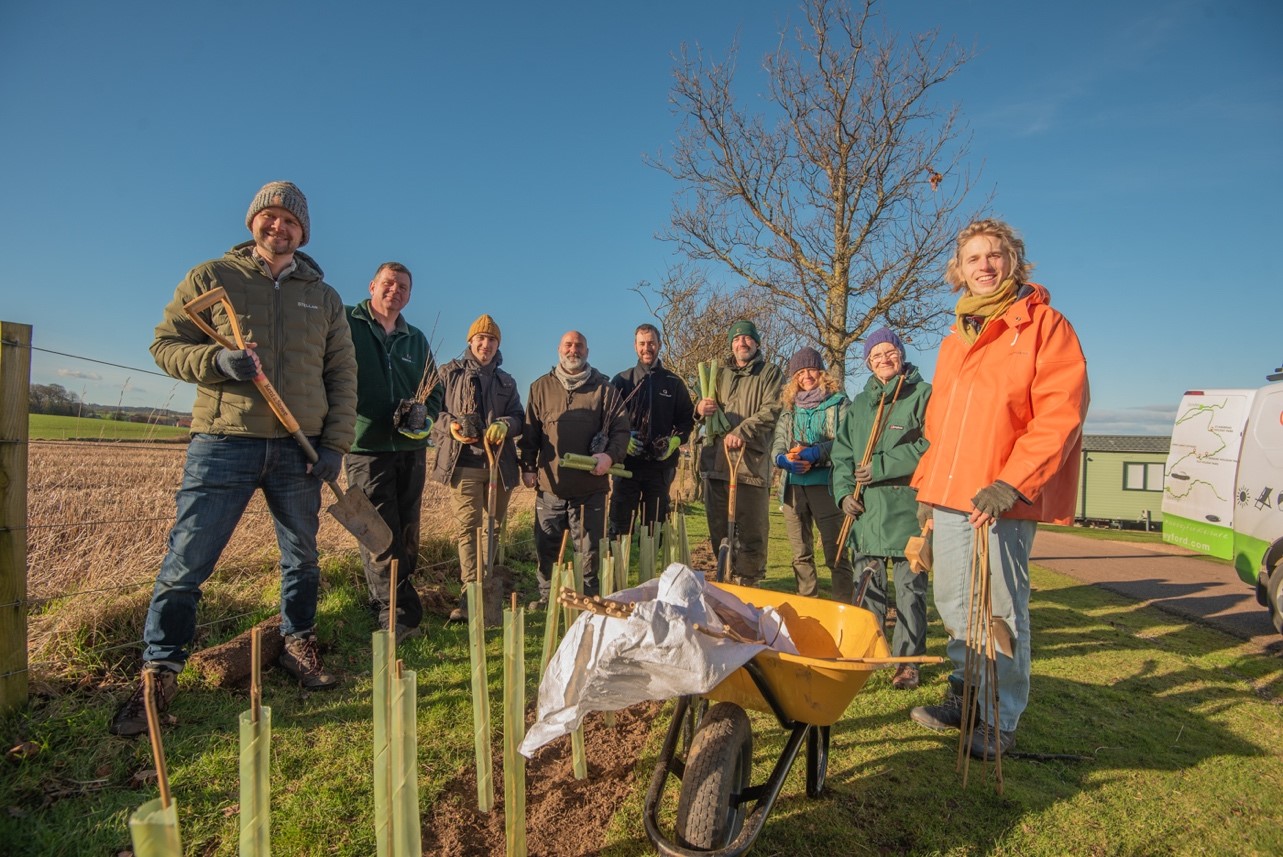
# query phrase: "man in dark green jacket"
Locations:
[[387, 461], [748, 392], [297, 336]]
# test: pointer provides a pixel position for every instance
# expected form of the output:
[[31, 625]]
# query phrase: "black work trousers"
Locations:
[[394, 483], [648, 490]]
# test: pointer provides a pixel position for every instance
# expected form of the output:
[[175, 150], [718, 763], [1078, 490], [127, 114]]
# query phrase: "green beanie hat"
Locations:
[[743, 327]]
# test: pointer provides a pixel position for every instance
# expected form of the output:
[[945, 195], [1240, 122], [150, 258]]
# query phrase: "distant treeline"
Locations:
[[56, 400]]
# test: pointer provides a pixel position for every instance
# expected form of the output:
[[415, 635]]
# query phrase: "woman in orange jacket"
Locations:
[[1005, 430]]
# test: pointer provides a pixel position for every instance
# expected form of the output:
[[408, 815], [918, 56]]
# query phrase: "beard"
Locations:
[[573, 365]]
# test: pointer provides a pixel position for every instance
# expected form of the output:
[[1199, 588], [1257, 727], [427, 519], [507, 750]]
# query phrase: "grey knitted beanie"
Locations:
[[284, 195]]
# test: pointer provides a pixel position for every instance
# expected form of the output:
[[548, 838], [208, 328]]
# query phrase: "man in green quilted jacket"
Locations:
[[296, 333]]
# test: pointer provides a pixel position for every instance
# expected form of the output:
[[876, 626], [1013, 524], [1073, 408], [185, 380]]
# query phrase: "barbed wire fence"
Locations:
[[98, 511]]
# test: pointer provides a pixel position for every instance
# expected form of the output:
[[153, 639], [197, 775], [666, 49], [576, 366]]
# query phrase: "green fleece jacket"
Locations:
[[890, 505], [303, 342], [389, 368]]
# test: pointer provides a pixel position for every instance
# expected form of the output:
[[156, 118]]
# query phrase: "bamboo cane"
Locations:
[[980, 670], [514, 730], [578, 757], [875, 434], [153, 827]]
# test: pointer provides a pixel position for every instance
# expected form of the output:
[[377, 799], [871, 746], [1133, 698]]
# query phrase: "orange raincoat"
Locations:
[[1009, 408]]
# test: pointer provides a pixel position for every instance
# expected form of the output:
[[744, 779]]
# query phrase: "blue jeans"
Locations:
[[1010, 542], [220, 476]]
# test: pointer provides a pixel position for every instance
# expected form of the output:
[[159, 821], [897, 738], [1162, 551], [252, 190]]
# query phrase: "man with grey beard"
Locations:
[[571, 409]]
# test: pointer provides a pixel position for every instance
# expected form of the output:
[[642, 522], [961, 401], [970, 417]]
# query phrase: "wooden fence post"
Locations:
[[15, 385]]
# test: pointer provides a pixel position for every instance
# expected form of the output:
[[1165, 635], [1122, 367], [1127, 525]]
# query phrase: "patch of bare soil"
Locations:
[[565, 817]]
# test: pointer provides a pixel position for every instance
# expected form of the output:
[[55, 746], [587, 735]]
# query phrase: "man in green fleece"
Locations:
[[388, 460], [748, 393]]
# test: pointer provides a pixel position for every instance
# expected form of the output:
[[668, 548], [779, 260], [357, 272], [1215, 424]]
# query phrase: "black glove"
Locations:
[[327, 465], [852, 507], [237, 365], [995, 499], [925, 513], [863, 474]]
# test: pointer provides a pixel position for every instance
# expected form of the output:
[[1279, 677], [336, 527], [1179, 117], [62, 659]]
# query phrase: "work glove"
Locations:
[[497, 431], [925, 513], [863, 474], [810, 454], [238, 365], [632, 444], [783, 462], [327, 465], [995, 499], [852, 507], [673, 443], [417, 434]]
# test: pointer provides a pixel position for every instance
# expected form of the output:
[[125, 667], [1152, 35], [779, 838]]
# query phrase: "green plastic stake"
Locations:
[[514, 730], [383, 647], [480, 697], [550, 624], [153, 828], [256, 768], [404, 754], [578, 758]]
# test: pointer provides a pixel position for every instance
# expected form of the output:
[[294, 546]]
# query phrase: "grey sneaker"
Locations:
[[988, 743], [131, 718], [945, 715], [302, 659]]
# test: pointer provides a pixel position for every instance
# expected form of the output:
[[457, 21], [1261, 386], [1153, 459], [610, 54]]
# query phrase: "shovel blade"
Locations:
[[358, 516]]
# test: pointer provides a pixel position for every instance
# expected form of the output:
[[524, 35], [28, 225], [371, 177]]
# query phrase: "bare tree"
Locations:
[[695, 317], [839, 200]]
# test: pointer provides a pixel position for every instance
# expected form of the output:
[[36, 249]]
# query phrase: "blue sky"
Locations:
[[496, 148]]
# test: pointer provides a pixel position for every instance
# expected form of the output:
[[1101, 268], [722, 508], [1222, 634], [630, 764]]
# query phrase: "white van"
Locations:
[[1223, 492]]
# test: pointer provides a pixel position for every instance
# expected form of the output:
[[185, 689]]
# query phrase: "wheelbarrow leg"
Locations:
[[817, 759]]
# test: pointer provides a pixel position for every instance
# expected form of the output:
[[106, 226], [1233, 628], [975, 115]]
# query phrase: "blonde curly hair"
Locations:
[[791, 389], [1012, 245]]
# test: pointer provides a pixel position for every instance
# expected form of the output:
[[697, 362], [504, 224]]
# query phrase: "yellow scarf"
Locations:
[[986, 307]]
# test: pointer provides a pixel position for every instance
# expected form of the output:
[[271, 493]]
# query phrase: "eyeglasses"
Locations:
[[885, 357]]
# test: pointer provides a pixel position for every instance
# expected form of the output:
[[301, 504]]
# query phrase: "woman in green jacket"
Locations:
[[813, 407], [886, 422]]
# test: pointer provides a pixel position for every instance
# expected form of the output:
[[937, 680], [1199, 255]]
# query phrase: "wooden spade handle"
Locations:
[[218, 295]]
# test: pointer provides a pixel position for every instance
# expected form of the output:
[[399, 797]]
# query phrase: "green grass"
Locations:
[[48, 427], [1179, 727], [1107, 534]]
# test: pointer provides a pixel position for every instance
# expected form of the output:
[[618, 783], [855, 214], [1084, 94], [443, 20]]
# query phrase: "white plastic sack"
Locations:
[[605, 663]]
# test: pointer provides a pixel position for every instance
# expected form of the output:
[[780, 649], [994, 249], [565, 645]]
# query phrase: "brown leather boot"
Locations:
[[302, 659], [131, 717]]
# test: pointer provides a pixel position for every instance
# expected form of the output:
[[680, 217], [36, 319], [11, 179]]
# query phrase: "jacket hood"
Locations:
[[307, 269]]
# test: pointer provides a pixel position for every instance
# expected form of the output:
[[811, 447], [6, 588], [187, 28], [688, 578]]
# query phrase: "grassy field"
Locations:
[[47, 427], [1176, 729]]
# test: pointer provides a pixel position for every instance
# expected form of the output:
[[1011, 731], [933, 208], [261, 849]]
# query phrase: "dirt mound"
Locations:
[[565, 817]]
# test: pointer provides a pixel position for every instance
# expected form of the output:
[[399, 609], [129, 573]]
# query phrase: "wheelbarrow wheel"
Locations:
[[718, 769]]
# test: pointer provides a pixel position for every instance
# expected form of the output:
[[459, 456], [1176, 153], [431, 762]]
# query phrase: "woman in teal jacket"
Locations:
[[813, 407], [890, 411]]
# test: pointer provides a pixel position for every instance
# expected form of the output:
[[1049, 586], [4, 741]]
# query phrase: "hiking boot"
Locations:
[[988, 743], [905, 678], [131, 718], [405, 632], [946, 715], [302, 659]]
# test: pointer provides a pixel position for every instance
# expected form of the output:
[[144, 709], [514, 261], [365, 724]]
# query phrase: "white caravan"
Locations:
[[1223, 495]]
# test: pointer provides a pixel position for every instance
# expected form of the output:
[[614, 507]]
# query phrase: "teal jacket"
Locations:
[[388, 369], [818, 425], [890, 505]]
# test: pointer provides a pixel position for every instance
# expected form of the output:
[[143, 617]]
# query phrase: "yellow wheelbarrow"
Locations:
[[719, 811]]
